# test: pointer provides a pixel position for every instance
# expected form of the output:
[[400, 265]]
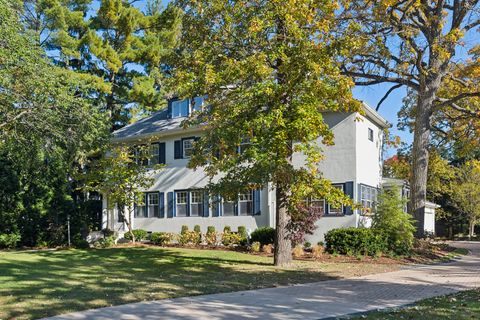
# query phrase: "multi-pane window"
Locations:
[[180, 108], [198, 103], [245, 203], [368, 197], [188, 147], [140, 210], [244, 144], [182, 204], [153, 205], [196, 203], [336, 210], [154, 154], [228, 207], [318, 205], [370, 134]]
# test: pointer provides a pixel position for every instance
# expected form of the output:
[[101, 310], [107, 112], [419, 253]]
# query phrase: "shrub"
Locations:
[[227, 229], [317, 251], [320, 243], [231, 238], [242, 231], [264, 235], [197, 229], [307, 245], [188, 237], [9, 240], [184, 229], [255, 247], [354, 241], [162, 238], [395, 224], [297, 252], [108, 232], [80, 243], [139, 234], [267, 248], [106, 242], [211, 236]]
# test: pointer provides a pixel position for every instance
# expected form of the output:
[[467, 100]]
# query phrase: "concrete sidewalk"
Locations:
[[311, 301]]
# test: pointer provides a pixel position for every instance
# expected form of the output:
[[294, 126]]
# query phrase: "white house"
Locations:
[[353, 164]]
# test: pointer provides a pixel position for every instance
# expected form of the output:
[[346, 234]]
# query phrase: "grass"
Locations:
[[459, 306], [46, 283]]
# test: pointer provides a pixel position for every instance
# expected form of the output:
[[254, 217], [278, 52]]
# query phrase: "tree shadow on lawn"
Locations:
[[40, 284]]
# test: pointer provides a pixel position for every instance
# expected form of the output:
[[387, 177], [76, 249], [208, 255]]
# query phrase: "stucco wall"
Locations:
[[368, 153]]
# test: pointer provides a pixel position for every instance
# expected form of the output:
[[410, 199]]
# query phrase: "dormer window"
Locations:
[[197, 103], [180, 108]]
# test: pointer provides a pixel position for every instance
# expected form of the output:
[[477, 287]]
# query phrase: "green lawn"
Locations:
[[460, 306], [46, 283]]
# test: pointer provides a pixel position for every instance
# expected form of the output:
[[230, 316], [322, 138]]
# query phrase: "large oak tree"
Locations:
[[415, 44]]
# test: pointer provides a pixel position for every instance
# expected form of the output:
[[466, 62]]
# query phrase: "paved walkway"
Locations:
[[310, 301]]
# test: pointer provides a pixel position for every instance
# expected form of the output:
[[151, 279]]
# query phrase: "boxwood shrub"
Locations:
[[264, 235], [139, 234], [355, 241]]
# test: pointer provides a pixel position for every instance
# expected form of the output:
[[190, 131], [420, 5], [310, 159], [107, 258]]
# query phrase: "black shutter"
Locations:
[[178, 152], [348, 190], [170, 205], [206, 204], [257, 204], [169, 111], [216, 208], [161, 153], [161, 205]]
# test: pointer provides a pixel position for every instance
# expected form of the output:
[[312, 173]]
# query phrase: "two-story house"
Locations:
[[177, 198]]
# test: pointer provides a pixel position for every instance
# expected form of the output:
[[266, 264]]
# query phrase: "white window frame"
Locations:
[[177, 106], [194, 106], [332, 211], [318, 200], [368, 198], [177, 203], [194, 201], [191, 141], [245, 197], [370, 134], [154, 151], [151, 204]]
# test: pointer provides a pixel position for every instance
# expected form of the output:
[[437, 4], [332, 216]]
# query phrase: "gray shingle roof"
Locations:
[[155, 123]]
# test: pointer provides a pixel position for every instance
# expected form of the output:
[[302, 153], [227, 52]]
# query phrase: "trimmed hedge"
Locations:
[[264, 235], [139, 234], [161, 238], [355, 241]]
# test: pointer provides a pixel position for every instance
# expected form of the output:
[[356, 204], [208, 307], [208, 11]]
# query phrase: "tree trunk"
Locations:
[[421, 142], [471, 229], [283, 245]]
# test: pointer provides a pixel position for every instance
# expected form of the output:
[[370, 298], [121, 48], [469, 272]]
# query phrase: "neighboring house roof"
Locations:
[[160, 123]]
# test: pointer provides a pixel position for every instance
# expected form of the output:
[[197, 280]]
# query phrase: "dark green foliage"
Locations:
[[210, 229], [264, 235], [9, 240], [355, 241], [307, 245], [227, 229], [395, 224], [139, 234], [184, 229], [161, 238], [196, 228], [79, 242], [242, 232]]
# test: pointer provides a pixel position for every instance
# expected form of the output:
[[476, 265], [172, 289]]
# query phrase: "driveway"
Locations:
[[318, 300]]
